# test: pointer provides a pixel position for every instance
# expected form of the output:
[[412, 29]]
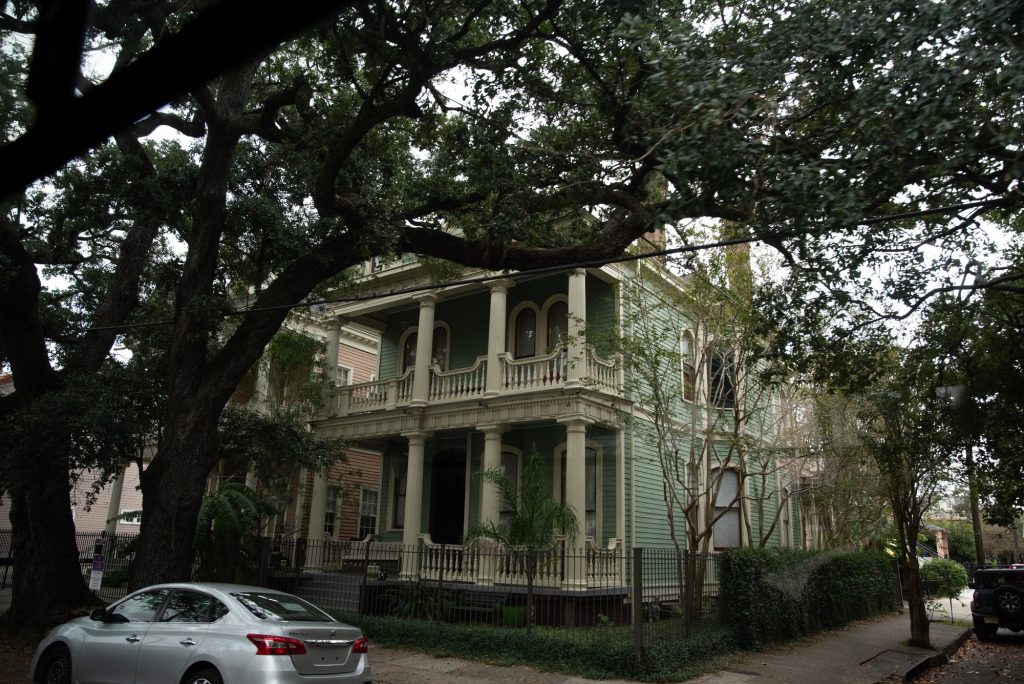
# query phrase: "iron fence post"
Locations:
[[638, 604]]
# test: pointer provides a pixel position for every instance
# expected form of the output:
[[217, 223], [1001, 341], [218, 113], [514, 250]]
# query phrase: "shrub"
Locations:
[[771, 595], [553, 649], [943, 578]]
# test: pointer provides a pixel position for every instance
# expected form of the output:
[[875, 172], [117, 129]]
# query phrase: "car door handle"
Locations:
[[187, 642], [133, 639]]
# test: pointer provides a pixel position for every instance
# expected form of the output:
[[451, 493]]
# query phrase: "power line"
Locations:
[[545, 270]]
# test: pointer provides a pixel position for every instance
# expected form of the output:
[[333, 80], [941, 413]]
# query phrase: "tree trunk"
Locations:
[[172, 493], [919, 628], [47, 576]]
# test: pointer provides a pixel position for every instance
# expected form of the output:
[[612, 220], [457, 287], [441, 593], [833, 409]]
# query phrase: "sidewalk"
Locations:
[[865, 652]]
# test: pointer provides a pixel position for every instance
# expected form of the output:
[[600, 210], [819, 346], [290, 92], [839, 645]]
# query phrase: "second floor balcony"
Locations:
[[553, 371]]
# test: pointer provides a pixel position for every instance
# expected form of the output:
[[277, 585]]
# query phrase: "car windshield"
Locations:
[[281, 607]]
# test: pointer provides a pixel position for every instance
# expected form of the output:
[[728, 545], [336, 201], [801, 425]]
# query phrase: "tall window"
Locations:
[[510, 469], [438, 353], [558, 326], [723, 379], [590, 490], [367, 513], [526, 334], [409, 352], [689, 374], [727, 505], [344, 375], [398, 501], [331, 506], [439, 348]]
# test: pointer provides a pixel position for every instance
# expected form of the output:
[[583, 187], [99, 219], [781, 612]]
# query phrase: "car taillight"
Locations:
[[276, 645], [361, 645]]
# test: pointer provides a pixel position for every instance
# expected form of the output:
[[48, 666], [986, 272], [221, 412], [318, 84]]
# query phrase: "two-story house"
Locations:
[[483, 374]]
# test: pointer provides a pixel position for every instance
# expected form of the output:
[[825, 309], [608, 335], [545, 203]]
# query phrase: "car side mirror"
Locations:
[[99, 614]]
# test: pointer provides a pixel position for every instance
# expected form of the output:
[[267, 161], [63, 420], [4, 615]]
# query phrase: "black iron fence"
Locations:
[[601, 593], [638, 596]]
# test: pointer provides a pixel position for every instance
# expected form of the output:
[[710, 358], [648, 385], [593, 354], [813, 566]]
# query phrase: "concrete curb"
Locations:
[[940, 658]]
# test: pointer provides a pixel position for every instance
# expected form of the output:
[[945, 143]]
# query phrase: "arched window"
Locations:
[[727, 506], [439, 348], [526, 334], [558, 325], [686, 351], [409, 353]]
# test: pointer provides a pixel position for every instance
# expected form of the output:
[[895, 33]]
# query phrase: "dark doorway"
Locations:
[[448, 496]]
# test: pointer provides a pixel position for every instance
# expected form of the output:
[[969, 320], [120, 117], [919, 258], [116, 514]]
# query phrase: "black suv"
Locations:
[[998, 601]]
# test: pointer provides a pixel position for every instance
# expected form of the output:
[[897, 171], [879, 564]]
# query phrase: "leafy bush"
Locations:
[[771, 595], [554, 649], [943, 578]]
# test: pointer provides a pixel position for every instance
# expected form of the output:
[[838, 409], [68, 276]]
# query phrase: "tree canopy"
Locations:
[[501, 135]]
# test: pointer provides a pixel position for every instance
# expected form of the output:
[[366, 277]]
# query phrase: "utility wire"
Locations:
[[561, 268]]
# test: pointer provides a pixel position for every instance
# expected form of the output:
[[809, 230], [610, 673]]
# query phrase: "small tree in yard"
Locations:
[[911, 445], [533, 524], [695, 379]]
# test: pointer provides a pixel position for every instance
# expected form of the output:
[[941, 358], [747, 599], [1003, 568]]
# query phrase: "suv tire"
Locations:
[[1009, 602], [984, 631]]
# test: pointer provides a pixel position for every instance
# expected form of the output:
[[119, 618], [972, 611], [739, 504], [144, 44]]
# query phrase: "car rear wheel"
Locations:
[[56, 667], [1009, 601], [205, 676], [984, 631]]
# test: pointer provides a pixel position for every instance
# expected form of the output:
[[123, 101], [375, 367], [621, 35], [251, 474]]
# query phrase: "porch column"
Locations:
[[496, 334], [577, 322], [114, 507], [315, 530], [490, 503], [333, 342], [575, 479], [424, 342], [413, 502]]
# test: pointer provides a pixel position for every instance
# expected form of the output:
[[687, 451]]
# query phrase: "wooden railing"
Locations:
[[458, 384], [485, 562], [517, 376], [534, 373]]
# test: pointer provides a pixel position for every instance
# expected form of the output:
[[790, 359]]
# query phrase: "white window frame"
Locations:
[[363, 514]]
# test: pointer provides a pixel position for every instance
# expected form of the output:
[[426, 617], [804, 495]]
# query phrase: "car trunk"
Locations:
[[328, 649]]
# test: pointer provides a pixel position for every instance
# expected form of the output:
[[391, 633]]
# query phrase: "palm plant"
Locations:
[[532, 524], [227, 533]]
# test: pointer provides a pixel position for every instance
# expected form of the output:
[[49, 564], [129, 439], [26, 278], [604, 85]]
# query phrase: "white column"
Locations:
[[490, 504], [331, 353], [413, 503], [315, 531], [424, 342], [114, 507], [577, 322], [576, 497], [496, 334]]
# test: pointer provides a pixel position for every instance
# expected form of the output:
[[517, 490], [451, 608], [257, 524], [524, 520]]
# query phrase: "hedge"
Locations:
[[771, 595]]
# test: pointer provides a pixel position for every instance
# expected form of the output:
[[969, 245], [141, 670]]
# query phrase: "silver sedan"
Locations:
[[199, 633]]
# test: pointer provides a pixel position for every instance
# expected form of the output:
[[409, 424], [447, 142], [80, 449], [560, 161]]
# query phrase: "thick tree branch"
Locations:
[[205, 48]]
